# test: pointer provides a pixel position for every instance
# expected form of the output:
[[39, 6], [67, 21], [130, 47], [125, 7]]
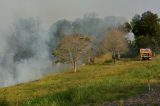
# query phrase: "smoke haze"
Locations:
[[90, 24], [26, 48], [24, 53], [26, 44], [52, 10]]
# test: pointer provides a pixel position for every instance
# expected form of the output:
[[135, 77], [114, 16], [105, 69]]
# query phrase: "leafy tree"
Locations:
[[146, 29], [72, 48], [116, 43]]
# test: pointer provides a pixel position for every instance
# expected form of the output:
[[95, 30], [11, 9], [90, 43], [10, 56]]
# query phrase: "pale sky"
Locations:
[[50, 11]]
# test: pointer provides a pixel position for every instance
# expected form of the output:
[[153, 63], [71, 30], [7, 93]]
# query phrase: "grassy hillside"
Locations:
[[91, 85]]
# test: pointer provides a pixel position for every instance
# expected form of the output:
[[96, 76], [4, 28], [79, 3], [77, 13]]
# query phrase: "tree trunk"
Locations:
[[118, 54], [114, 60], [75, 66], [114, 57]]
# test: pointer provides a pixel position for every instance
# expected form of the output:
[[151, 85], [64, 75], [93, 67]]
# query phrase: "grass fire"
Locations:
[[79, 53]]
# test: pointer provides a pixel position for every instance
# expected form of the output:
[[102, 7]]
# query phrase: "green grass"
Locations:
[[91, 85]]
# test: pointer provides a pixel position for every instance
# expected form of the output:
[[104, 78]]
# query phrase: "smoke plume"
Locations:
[[90, 25], [25, 48], [24, 53]]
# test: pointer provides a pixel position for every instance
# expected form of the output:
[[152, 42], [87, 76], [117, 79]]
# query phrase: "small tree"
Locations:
[[116, 43], [71, 49]]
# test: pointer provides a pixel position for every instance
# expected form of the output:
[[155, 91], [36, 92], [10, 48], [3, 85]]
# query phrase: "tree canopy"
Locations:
[[116, 43], [72, 48], [146, 28]]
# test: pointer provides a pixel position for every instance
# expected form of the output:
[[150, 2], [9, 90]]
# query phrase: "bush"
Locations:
[[108, 62]]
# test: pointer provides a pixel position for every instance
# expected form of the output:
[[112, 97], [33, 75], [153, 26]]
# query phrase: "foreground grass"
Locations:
[[91, 85]]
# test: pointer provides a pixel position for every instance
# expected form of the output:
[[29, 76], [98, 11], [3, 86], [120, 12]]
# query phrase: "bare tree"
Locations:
[[72, 48], [116, 43]]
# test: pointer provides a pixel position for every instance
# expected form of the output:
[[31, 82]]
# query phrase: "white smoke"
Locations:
[[24, 53], [90, 24], [25, 48]]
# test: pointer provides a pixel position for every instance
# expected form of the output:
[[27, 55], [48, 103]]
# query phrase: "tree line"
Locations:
[[81, 48]]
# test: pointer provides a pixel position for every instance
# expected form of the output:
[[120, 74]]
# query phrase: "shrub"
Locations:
[[108, 62]]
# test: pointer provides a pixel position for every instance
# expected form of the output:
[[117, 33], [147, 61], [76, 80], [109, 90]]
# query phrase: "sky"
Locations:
[[49, 11]]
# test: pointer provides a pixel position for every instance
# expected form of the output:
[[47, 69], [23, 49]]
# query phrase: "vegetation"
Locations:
[[72, 48], [116, 43], [97, 83], [146, 28], [91, 85]]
